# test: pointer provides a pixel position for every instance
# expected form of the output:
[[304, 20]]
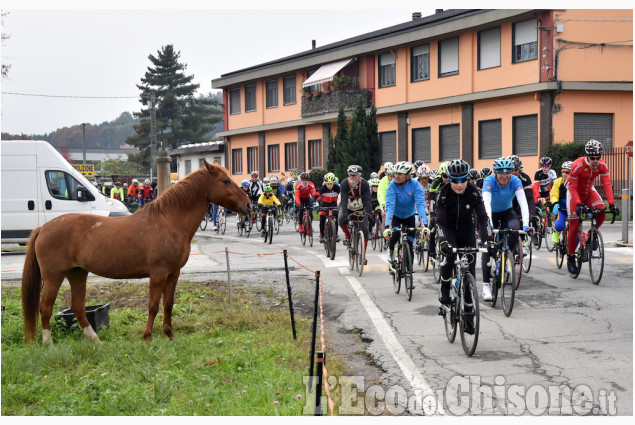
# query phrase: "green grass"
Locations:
[[242, 361]]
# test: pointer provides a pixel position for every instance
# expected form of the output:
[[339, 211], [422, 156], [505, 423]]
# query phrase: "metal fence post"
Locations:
[[229, 277], [286, 271], [314, 328], [625, 215], [318, 384]]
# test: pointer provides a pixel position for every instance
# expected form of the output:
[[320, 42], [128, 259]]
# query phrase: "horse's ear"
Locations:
[[212, 170]]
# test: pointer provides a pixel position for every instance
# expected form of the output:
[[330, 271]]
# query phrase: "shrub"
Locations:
[[561, 152], [317, 177]]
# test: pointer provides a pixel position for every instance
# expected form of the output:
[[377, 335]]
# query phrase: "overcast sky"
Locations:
[[93, 53]]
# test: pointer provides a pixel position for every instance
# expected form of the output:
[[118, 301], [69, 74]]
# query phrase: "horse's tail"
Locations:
[[31, 286]]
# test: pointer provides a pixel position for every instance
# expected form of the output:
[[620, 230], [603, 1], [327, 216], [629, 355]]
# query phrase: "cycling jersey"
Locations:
[[268, 200], [381, 190], [436, 184], [255, 189], [454, 211], [278, 190], [302, 192], [328, 197], [544, 180], [401, 201], [499, 199], [582, 177]]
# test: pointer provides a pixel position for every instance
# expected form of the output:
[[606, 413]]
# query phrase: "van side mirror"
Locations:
[[83, 195]]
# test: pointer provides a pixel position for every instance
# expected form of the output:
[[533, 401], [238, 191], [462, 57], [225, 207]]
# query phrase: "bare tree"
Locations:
[[5, 67]]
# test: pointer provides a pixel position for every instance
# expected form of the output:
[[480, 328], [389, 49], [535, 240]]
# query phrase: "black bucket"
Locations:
[[97, 315]]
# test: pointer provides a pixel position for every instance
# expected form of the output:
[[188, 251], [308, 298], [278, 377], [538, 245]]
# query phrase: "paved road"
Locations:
[[564, 336]]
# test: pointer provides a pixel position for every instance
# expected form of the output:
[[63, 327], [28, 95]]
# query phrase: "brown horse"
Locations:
[[154, 242]]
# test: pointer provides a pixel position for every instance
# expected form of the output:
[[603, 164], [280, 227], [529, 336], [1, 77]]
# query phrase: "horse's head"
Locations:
[[225, 191]]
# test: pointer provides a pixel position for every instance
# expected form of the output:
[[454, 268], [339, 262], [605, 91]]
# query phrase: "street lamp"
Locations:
[[83, 143]]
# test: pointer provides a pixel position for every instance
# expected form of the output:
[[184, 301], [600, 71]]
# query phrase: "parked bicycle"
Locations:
[[463, 310], [591, 246], [356, 247], [330, 231], [402, 267], [504, 270]]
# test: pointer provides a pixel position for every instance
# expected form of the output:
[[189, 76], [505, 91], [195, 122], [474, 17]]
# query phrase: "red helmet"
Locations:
[[304, 176], [254, 174]]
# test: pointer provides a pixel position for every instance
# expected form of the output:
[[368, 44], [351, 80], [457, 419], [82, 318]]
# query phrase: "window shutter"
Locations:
[[387, 59], [490, 139], [388, 142], [490, 48], [525, 32], [234, 101], [593, 126], [421, 50], [421, 144], [449, 56], [525, 135], [449, 142]]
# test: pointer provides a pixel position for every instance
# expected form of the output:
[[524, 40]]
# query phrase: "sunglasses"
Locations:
[[505, 172], [594, 158], [565, 172], [546, 165], [458, 179]]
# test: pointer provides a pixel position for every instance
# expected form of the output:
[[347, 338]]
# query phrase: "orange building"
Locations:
[[475, 84]]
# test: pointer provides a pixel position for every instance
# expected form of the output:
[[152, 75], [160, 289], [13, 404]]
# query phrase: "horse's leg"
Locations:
[[168, 302], [51, 286], [77, 278], [157, 284]]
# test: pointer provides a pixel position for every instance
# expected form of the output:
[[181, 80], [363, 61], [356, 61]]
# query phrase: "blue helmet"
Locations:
[[503, 163], [244, 184]]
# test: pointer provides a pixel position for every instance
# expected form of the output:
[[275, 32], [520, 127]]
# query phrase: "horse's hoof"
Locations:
[[147, 338]]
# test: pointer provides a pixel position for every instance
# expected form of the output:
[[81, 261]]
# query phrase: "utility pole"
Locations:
[[83, 143], [153, 137]]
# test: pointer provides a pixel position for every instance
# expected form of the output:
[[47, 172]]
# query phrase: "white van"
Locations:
[[38, 184]]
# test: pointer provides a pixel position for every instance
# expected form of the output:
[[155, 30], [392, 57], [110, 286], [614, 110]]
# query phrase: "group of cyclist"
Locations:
[[449, 203]]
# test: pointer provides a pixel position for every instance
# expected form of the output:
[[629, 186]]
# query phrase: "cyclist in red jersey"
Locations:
[[304, 194], [581, 192]]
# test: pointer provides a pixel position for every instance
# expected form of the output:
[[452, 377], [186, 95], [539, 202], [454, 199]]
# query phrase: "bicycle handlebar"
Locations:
[[520, 232], [593, 211]]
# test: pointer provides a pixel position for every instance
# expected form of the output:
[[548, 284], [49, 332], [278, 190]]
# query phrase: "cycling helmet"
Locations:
[[135, 181], [244, 184], [516, 161], [374, 175], [274, 180], [418, 163], [593, 147], [125, 185], [117, 183], [254, 174], [566, 165], [434, 174], [391, 170], [154, 179], [443, 168], [486, 171], [304, 175], [458, 168], [329, 178], [354, 169], [474, 174], [387, 165], [402, 167], [266, 180], [503, 163], [374, 182], [545, 160], [147, 181], [423, 171], [268, 188]]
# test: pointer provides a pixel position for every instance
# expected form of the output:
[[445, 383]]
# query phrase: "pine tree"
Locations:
[[335, 159], [355, 151], [372, 140]]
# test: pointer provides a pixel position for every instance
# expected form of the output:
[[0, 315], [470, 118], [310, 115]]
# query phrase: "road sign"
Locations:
[[87, 170], [629, 148]]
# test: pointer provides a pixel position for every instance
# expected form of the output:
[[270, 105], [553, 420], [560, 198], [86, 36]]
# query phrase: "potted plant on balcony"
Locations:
[[342, 82], [306, 93], [326, 88], [317, 92]]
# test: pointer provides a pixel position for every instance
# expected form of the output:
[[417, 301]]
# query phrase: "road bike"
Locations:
[[461, 311], [357, 245], [544, 229], [243, 224], [401, 267], [255, 220], [434, 259], [330, 231], [307, 226], [422, 239], [270, 223], [526, 255], [591, 246], [377, 240], [206, 218], [221, 220], [504, 270], [288, 211], [560, 248]]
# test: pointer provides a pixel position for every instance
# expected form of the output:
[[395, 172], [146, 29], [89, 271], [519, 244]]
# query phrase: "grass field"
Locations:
[[242, 361]]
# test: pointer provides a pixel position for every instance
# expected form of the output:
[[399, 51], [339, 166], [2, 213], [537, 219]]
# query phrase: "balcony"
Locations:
[[326, 103]]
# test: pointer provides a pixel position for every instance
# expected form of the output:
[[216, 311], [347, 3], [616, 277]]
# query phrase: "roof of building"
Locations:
[[190, 148]]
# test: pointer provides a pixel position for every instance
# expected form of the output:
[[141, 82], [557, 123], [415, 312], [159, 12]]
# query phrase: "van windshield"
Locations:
[[62, 185]]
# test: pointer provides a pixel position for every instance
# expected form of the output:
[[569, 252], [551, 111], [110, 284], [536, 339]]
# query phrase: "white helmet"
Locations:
[[108, 183], [147, 181], [274, 179], [374, 175], [266, 180], [403, 167], [387, 165], [423, 171], [135, 181]]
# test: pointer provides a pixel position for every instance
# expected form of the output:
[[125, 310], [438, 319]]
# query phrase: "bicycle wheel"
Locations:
[[373, 237], [203, 224], [361, 252], [296, 222], [258, 226], [406, 266], [559, 255], [271, 224], [396, 277], [222, 223], [548, 229], [382, 244], [436, 269], [596, 256], [495, 279], [508, 287], [518, 262], [309, 230], [527, 257], [426, 254], [352, 255], [469, 315], [333, 240], [537, 236], [303, 233], [239, 226], [327, 240], [449, 320]]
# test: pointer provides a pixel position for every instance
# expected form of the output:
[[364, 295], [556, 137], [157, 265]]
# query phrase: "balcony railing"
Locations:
[[324, 103]]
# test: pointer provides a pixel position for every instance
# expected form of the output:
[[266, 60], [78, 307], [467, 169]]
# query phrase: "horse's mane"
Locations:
[[182, 195]]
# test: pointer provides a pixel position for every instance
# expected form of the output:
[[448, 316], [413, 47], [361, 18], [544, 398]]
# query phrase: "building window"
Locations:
[[234, 101], [250, 98], [420, 63], [388, 142], [272, 94], [237, 161], [421, 144], [252, 159], [525, 40], [201, 162], [593, 126], [449, 57], [188, 166], [490, 139], [489, 48], [315, 153], [291, 156], [449, 142], [387, 73], [525, 135], [288, 91], [273, 157]]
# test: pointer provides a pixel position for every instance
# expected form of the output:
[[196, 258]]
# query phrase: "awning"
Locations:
[[326, 72]]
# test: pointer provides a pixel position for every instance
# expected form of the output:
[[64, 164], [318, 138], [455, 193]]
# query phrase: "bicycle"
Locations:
[[526, 243], [460, 312], [356, 247], [402, 262], [377, 238], [591, 246], [254, 215], [561, 247], [422, 240], [270, 221], [433, 259], [206, 218], [330, 232], [307, 226], [503, 270], [221, 220], [544, 229], [288, 210]]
